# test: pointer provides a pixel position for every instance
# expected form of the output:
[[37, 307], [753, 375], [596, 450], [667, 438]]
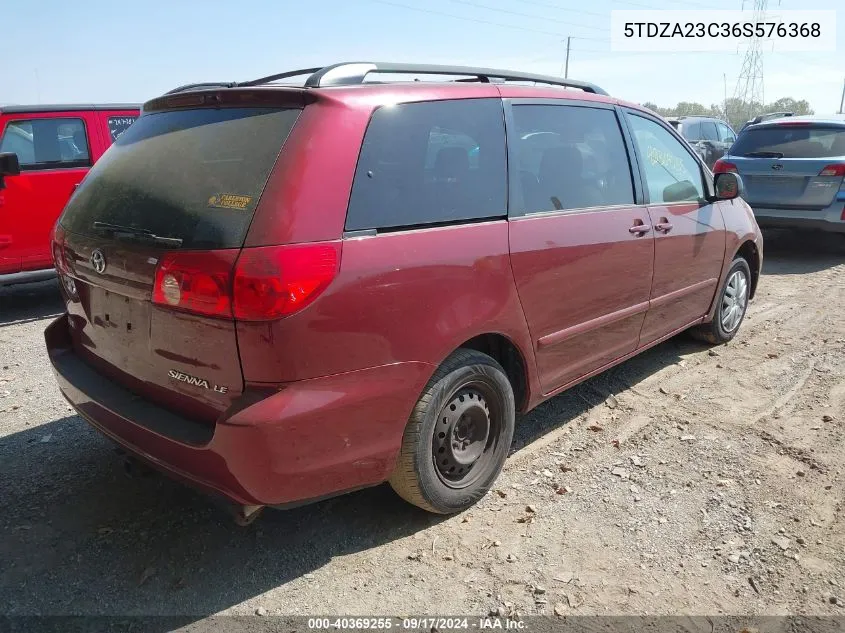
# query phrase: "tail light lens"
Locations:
[[255, 284], [723, 167], [836, 169], [276, 281], [57, 244], [196, 281]]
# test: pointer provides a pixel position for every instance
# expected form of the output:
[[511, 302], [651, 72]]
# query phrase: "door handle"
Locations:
[[639, 229], [664, 226]]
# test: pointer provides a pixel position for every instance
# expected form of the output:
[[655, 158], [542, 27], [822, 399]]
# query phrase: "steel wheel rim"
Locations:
[[734, 301], [466, 434]]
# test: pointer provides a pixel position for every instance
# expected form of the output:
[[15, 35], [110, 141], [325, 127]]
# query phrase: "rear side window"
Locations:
[[570, 158], [671, 173], [691, 131], [791, 141], [429, 163], [47, 143], [118, 125], [191, 175], [708, 131]]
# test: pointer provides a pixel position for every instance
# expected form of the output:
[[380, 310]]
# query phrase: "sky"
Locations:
[[94, 51]]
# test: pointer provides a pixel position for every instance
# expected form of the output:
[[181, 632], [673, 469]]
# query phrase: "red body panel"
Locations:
[[687, 261], [569, 271], [318, 401], [33, 200]]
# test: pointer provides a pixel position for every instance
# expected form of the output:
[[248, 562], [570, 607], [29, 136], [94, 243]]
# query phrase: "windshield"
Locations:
[[191, 175], [791, 141]]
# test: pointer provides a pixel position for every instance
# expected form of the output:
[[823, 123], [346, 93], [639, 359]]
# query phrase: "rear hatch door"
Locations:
[[178, 183], [791, 165]]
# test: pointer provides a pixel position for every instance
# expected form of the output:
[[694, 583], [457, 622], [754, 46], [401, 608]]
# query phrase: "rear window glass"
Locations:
[[790, 141], [428, 163], [192, 175]]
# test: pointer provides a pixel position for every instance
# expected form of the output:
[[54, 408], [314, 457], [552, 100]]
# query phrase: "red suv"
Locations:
[[45, 151], [281, 293]]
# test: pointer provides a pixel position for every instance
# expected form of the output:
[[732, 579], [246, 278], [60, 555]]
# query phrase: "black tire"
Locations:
[[716, 332], [467, 384]]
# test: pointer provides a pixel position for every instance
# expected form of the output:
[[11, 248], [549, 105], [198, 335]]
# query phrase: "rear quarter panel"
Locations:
[[406, 296]]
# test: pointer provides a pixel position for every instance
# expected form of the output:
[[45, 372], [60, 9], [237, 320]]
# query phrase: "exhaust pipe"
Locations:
[[245, 515]]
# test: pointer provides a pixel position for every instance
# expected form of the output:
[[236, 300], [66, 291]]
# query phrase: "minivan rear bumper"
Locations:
[[279, 446], [829, 219]]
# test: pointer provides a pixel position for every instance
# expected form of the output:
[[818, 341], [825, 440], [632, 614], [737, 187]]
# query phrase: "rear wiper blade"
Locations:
[[130, 231], [764, 155]]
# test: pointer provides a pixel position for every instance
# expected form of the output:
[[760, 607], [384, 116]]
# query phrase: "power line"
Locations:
[[528, 15], [460, 17], [560, 8]]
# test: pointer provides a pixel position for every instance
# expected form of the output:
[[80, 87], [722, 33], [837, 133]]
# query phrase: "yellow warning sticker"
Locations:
[[229, 201]]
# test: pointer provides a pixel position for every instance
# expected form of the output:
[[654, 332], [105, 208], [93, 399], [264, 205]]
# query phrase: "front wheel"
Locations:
[[458, 435], [733, 303]]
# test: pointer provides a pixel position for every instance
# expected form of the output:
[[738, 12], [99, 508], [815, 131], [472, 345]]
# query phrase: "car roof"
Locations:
[[71, 107], [836, 120], [349, 82]]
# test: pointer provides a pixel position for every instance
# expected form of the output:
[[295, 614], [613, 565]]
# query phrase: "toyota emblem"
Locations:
[[98, 261]]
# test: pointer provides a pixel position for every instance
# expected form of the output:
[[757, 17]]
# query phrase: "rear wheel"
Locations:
[[458, 435], [733, 303]]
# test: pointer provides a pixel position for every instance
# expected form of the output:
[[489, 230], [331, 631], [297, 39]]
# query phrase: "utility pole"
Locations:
[[566, 71], [725, 81], [842, 100]]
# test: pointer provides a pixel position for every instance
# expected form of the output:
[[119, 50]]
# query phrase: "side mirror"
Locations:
[[9, 166], [728, 186]]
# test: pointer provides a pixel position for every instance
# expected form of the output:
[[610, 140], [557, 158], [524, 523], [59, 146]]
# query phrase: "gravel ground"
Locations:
[[685, 481]]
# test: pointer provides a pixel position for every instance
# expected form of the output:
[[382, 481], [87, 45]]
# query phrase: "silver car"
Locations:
[[793, 171]]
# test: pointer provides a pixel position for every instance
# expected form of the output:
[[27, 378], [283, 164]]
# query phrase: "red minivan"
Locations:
[[280, 293], [54, 146]]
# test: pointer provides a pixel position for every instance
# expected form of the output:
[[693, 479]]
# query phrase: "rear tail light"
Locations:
[[57, 244], [723, 167], [257, 284], [276, 281], [196, 281], [836, 169]]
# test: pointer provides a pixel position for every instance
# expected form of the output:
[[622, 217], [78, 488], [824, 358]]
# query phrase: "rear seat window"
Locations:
[[570, 158], [189, 175], [429, 163]]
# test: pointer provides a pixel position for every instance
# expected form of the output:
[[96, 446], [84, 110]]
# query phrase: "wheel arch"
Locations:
[[508, 354], [749, 252]]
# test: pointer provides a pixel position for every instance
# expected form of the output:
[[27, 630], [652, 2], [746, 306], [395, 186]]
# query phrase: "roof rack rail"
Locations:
[[353, 73], [276, 77], [208, 84]]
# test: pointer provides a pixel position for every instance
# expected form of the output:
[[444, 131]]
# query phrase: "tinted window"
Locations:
[[708, 131], [119, 124], [47, 143], [193, 175], [424, 163], [570, 158], [726, 135], [691, 131], [672, 174], [791, 141]]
